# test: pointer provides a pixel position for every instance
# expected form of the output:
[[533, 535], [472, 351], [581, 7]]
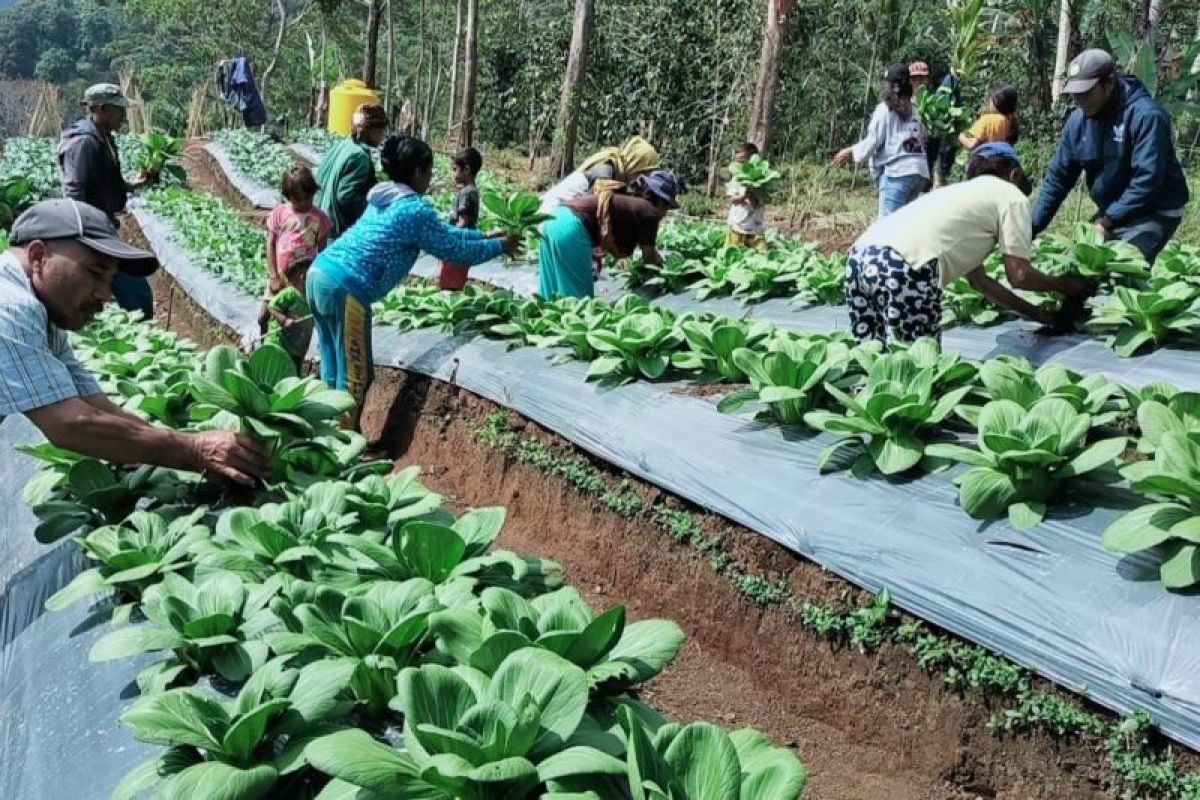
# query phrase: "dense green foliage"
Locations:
[[335, 608], [694, 108]]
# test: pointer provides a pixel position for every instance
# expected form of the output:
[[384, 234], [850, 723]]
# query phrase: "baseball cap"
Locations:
[[663, 184], [88, 225], [918, 69], [996, 149], [1086, 69], [898, 74], [105, 94]]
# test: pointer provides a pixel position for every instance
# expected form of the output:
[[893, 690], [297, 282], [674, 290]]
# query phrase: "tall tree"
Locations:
[[770, 60], [286, 21], [455, 63], [567, 125], [466, 131], [1032, 19], [1062, 51], [1152, 19], [371, 41]]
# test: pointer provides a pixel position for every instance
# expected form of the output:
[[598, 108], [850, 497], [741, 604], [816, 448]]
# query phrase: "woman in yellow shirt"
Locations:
[[998, 123]]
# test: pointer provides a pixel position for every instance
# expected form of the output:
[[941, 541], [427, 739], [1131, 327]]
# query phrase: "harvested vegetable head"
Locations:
[[754, 176]]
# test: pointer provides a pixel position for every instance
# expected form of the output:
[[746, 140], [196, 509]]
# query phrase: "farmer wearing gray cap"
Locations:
[[54, 278], [91, 173], [1120, 139]]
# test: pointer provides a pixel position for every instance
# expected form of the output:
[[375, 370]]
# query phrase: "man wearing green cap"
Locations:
[[54, 278], [91, 171], [1120, 139]]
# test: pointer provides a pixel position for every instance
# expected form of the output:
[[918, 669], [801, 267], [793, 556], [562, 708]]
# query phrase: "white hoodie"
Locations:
[[895, 146]]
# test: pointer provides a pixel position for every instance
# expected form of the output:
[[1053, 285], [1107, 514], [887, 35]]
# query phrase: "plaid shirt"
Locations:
[[37, 366]]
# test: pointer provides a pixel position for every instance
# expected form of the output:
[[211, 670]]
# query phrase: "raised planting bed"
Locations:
[[775, 642], [253, 163], [284, 638], [1051, 598], [1170, 363]]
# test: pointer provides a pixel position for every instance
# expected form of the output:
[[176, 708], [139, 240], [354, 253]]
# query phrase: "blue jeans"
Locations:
[[133, 293], [1149, 234], [895, 193]]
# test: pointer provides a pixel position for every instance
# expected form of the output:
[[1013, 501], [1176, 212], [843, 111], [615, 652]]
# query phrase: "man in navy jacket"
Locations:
[[1120, 138]]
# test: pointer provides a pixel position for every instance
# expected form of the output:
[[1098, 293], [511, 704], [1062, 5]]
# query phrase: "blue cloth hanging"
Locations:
[[238, 88]]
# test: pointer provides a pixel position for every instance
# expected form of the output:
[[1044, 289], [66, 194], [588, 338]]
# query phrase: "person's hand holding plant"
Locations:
[[512, 245]]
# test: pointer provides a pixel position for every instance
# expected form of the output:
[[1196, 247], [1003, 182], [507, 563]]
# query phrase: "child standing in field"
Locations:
[[998, 123], [296, 229], [747, 210], [465, 168], [290, 320]]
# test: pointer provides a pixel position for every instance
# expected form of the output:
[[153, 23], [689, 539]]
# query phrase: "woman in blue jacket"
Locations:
[[376, 254], [1120, 139]]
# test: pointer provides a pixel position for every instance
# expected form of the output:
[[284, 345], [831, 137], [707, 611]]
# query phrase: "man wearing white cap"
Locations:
[[54, 278], [91, 173], [1120, 139]]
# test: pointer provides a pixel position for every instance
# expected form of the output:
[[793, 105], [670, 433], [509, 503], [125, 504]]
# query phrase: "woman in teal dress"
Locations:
[[606, 222]]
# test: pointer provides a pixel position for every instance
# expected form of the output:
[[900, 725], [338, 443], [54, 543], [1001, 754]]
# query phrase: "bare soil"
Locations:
[[868, 726], [204, 174]]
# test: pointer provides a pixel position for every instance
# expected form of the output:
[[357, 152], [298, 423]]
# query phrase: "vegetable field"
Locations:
[[350, 631], [344, 599]]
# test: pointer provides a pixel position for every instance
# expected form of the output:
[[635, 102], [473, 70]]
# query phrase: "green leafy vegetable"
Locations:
[[755, 176], [940, 115], [1170, 528], [1024, 458]]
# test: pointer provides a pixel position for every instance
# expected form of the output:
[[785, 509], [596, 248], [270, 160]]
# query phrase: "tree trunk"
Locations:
[[279, 35], [1062, 51], [1154, 12], [770, 60], [466, 131], [391, 57], [371, 43], [566, 127], [432, 86], [1042, 89], [460, 12], [1194, 94]]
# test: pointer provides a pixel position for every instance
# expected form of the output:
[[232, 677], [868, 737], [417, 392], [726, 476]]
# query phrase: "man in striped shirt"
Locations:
[[54, 278]]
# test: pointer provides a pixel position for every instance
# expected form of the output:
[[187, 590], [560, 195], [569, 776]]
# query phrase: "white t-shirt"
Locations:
[[958, 225], [895, 146], [747, 217]]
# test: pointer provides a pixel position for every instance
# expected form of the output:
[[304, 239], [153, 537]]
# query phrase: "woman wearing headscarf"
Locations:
[[894, 145], [613, 168], [611, 222]]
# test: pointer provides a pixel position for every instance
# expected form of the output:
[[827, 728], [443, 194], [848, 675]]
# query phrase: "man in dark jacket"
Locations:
[[1121, 140], [91, 172]]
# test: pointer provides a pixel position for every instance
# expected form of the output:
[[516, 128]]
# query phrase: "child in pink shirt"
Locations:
[[295, 229]]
